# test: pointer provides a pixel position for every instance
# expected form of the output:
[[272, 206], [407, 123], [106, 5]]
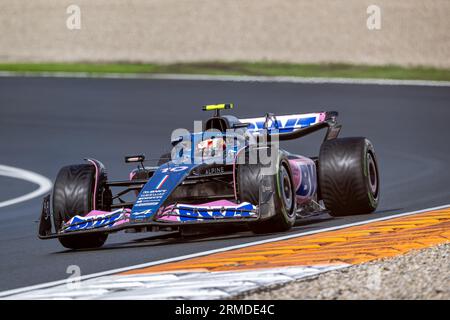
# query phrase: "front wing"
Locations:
[[175, 215]]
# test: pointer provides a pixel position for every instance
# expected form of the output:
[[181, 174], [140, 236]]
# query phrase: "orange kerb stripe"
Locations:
[[350, 245]]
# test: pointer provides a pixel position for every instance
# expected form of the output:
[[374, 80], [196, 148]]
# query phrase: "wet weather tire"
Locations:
[[348, 176], [249, 181], [73, 195]]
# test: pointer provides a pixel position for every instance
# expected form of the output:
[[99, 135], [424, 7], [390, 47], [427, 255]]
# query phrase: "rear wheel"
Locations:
[[73, 194], [348, 176], [249, 181]]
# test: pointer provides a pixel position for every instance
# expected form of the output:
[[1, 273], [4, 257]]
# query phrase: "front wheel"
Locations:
[[73, 194], [348, 176], [249, 179]]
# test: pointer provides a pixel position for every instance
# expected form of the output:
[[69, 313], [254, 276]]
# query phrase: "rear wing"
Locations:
[[294, 126]]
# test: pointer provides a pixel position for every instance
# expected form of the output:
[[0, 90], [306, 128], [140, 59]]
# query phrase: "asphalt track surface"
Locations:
[[46, 123]]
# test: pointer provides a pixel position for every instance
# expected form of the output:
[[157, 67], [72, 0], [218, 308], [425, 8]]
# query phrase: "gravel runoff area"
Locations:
[[420, 274], [411, 32]]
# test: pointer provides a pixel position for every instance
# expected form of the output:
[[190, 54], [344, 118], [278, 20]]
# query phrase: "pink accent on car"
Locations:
[[163, 215], [94, 204], [95, 213], [322, 116], [99, 213], [118, 223], [217, 203], [297, 174]]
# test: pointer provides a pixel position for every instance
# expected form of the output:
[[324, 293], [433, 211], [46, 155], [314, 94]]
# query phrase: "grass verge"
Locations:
[[242, 68]]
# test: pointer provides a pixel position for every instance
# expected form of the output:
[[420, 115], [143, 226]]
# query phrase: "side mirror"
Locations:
[[137, 158]]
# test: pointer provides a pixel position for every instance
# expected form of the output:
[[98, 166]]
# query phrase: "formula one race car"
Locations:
[[230, 171]]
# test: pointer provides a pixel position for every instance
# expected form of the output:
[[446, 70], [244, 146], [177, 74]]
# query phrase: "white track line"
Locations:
[[203, 77], [190, 285], [200, 254], [44, 184]]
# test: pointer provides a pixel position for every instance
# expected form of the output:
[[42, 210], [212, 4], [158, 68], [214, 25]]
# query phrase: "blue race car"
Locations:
[[232, 171]]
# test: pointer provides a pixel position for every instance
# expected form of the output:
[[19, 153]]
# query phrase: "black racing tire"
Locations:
[[73, 195], [249, 181], [349, 181]]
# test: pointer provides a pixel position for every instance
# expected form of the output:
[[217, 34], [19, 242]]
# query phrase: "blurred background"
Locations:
[[409, 32]]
